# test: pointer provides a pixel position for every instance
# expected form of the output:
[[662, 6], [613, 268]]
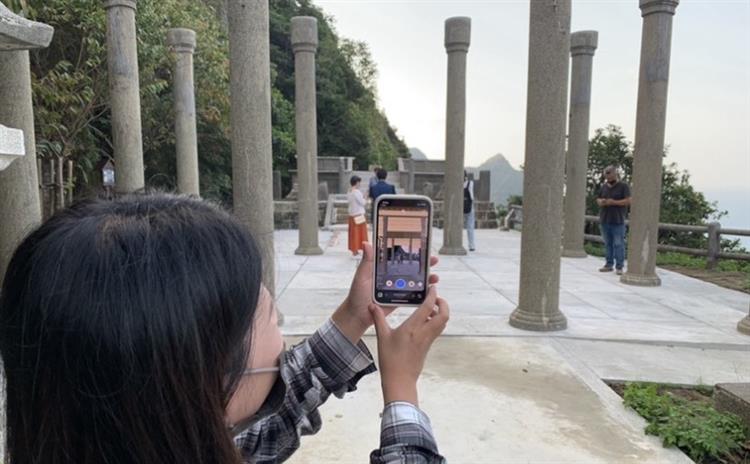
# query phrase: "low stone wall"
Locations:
[[484, 213], [286, 217]]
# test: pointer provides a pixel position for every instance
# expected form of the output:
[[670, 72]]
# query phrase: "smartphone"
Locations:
[[402, 234]]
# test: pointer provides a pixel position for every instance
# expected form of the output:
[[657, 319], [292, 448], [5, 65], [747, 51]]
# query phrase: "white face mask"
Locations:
[[270, 404]]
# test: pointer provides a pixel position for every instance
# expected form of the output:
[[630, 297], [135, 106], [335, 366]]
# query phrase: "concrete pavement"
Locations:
[[499, 394]]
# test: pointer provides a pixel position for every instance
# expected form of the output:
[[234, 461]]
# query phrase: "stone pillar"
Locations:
[[182, 43], [277, 185], [744, 325], [483, 188], [20, 209], [250, 88], [305, 44], [457, 39], [582, 47], [343, 176], [410, 175], [549, 46], [656, 42], [124, 95]]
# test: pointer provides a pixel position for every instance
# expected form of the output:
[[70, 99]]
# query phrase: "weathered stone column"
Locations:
[[124, 95], [656, 43], [20, 210], [744, 325], [549, 46], [457, 39], [305, 44], [582, 47], [250, 87], [182, 43]]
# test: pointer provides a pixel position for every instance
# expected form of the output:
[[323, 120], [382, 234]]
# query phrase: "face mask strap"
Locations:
[[260, 370]]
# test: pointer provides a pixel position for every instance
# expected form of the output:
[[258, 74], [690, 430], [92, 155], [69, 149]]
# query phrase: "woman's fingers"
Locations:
[[434, 260], [367, 252], [425, 309], [381, 325], [433, 279], [440, 319]]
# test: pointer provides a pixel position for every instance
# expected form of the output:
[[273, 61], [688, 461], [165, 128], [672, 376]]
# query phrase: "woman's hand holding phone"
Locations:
[[353, 317], [402, 351]]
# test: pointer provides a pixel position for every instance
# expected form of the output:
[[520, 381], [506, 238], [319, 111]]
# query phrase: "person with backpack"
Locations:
[[469, 216]]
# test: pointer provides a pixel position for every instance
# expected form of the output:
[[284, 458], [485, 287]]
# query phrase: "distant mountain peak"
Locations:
[[417, 154]]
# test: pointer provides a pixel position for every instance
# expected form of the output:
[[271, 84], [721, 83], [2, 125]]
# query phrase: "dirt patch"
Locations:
[[732, 280]]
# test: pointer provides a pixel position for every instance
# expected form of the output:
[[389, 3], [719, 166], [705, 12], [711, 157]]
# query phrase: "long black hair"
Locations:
[[124, 329]]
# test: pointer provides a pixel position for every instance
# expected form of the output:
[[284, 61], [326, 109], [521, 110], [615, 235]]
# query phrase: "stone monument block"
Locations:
[[18, 33]]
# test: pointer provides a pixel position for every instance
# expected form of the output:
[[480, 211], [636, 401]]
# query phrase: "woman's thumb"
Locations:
[[378, 317]]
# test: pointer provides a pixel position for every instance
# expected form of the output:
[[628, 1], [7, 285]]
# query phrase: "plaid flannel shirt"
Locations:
[[326, 363]]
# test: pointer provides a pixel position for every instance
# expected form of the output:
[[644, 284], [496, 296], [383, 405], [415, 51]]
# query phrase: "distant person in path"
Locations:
[[357, 219], [373, 180], [469, 216], [613, 201], [380, 188]]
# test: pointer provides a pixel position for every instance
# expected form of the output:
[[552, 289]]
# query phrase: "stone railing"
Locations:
[[712, 252], [336, 213]]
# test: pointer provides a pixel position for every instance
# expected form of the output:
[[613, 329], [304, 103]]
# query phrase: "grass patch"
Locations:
[[687, 419], [728, 273]]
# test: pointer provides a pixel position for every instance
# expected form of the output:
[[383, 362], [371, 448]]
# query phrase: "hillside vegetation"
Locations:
[[71, 98]]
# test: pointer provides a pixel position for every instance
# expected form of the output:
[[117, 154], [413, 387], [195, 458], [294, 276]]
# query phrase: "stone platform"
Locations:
[[499, 394]]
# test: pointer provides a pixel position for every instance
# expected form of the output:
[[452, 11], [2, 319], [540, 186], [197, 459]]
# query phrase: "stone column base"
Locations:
[[455, 251], [308, 251], [574, 253], [538, 322], [744, 325], [641, 280]]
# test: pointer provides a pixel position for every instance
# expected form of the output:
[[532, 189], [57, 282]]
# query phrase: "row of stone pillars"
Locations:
[[550, 43]]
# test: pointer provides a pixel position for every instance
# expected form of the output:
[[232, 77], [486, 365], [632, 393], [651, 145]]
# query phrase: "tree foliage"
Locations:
[[71, 94], [680, 202]]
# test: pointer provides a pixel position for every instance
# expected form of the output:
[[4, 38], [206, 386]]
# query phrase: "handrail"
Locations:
[[714, 230]]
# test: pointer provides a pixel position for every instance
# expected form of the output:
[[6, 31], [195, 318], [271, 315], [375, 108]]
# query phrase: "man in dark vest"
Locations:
[[613, 201]]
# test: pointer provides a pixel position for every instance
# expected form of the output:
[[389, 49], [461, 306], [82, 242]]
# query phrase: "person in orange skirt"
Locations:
[[357, 218]]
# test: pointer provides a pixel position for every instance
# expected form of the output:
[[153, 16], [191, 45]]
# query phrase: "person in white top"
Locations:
[[357, 217], [469, 216]]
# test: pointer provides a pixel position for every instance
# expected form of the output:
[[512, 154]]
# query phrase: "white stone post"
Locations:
[[124, 95], [582, 47], [457, 40], [182, 43], [651, 115], [549, 46]]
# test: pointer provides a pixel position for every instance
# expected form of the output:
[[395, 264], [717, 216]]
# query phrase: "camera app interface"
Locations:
[[402, 250]]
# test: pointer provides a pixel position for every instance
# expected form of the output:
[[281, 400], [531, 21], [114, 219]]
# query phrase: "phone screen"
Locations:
[[403, 226]]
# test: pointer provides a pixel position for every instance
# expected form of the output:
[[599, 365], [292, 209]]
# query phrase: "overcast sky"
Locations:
[[708, 114]]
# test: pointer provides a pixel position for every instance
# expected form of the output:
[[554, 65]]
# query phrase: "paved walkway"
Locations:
[[499, 394]]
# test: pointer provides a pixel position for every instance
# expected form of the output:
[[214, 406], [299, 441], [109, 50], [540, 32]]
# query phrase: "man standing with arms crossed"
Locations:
[[613, 201]]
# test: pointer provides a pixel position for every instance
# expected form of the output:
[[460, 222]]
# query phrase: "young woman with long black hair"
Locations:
[[138, 331]]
